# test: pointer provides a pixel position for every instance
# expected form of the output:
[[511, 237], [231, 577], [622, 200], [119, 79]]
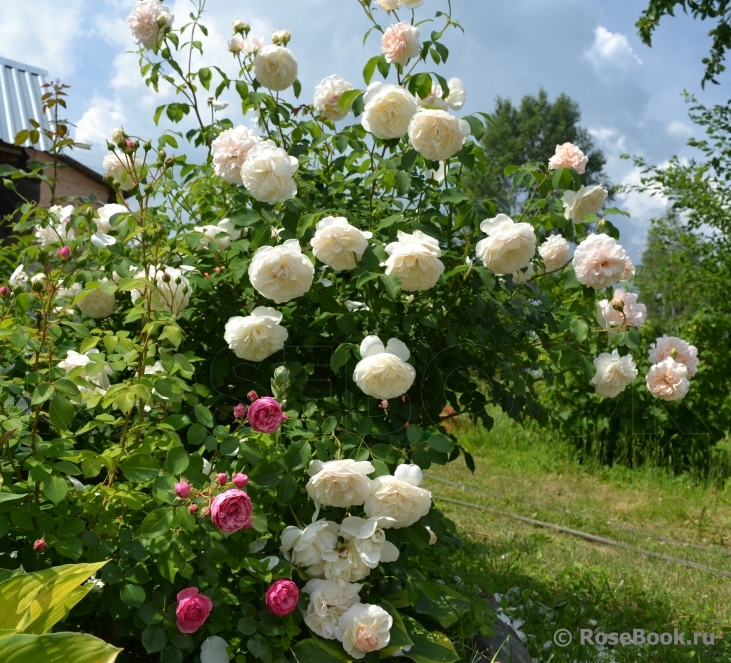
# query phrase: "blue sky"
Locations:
[[630, 95]]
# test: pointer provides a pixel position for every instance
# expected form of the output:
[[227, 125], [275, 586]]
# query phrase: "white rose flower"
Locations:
[[400, 43], [338, 244], [58, 229], [173, 289], [328, 602], [509, 246], [117, 134], [677, 349], [383, 372], [568, 155], [18, 277], [275, 67], [75, 360], [523, 275], [599, 261], [414, 259], [369, 539], [229, 151], [281, 37], [613, 374], [306, 547], [236, 44], [388, 110], [213, 650], [223, 233], [555, 252], [339, 483], [121, 167], [268, 173], [147, 20], [354, 306], [432, 536], [98, 303], [434, 98], [253, 45], [437, 135], [104, 216], [388, 5], [239, 25], [327, 97], [457, 94], [412, 4], [399, 497], [587, 200], [365, 628], [668, 380], [622, 310], [343, 564], [256, 336], [71, 292], [281, 273]]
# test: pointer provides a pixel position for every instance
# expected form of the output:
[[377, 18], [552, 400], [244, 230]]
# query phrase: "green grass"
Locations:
[[554, 580]]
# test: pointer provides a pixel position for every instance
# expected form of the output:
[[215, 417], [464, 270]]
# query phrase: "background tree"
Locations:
[[529, 132]]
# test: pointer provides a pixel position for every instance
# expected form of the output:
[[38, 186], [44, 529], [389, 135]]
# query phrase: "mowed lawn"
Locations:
[[552, 580]]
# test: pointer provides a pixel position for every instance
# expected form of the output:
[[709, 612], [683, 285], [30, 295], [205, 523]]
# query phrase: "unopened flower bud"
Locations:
[[240, 411], [252, 396], [206, 512], [166, 277], [240, 480], [4, 291], [240, 26], [281, 37], [40, 546], [618, 305], [130, 144], [64, 253], [37, 285], [117, 135], [236, 44], [192, 508], [147, 146], [674, 353], [182, 489], [221, 478]]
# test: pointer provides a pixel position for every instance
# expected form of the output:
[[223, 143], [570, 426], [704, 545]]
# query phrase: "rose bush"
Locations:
[[277, 264]]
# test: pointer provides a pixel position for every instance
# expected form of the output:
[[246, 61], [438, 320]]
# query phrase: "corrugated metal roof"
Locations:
[[20, 99]]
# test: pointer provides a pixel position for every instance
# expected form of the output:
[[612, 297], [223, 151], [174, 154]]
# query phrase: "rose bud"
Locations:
[[252, 396], [4, 291], [221, 478], [64, 252], [192, 508], [239, 410], [40, 546], [240, 480], [182, 489]]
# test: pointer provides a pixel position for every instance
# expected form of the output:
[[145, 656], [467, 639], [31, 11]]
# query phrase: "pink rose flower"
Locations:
[[568, 156], [400, 43], [677, 349], [192, 611], [182, 489], [240, 411], [623, 309], [282, 597], [265, 415], [599, 261], [668, 380], [240, 480], [231, 511]]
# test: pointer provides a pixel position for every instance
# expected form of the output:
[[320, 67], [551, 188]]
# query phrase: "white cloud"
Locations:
[[681, 129], [611, 51], [96, 124]]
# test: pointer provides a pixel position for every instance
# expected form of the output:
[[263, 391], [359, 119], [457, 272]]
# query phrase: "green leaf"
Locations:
[[159, 523], [205, 76], [329, 425], [9, 497], [403, 182], [309, 651], [441, 602], [42, 393], [173, 333], [399, 638], [370, 69], [204, 416], [55, 488], [428, 647], [477, 126], [487, 277], [133, 596], [392, 285], [347, 98], [140, 468], [383, 66], [177, 460], [56, 648], [340, 356], [306, 222], [298, 455], [579, 329], [61, 411], [154, 639], [440, 442], [616, 210], [453, 196], [197, 435]]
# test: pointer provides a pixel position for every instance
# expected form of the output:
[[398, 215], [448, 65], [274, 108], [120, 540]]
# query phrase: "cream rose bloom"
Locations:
[[229, 151], [147, 20], [343, 564], [365, 628], [338, 244], [569, 156], [18, 277], [268, 173], [599, 261], [98, 303], [281, 37], [58, 229], [399, 497], [256, 336], [523, 275], [675, 348], [388, 110], [412, 4], [555, 252], [388, 5], [587, 200], [668, 380], [328, 602], [236, 44], [400, 42], [434, 98], [305, 547], [104, 216], [383, 372], [327, 97], [613, 374], [369, 539], [414, 259], [281, 273], [275, 67], [121, 168], [75, 360], [223, 233], [339, 483], [509, 246], [436, 134], [173, 289], [622, 310], [457, 94]]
